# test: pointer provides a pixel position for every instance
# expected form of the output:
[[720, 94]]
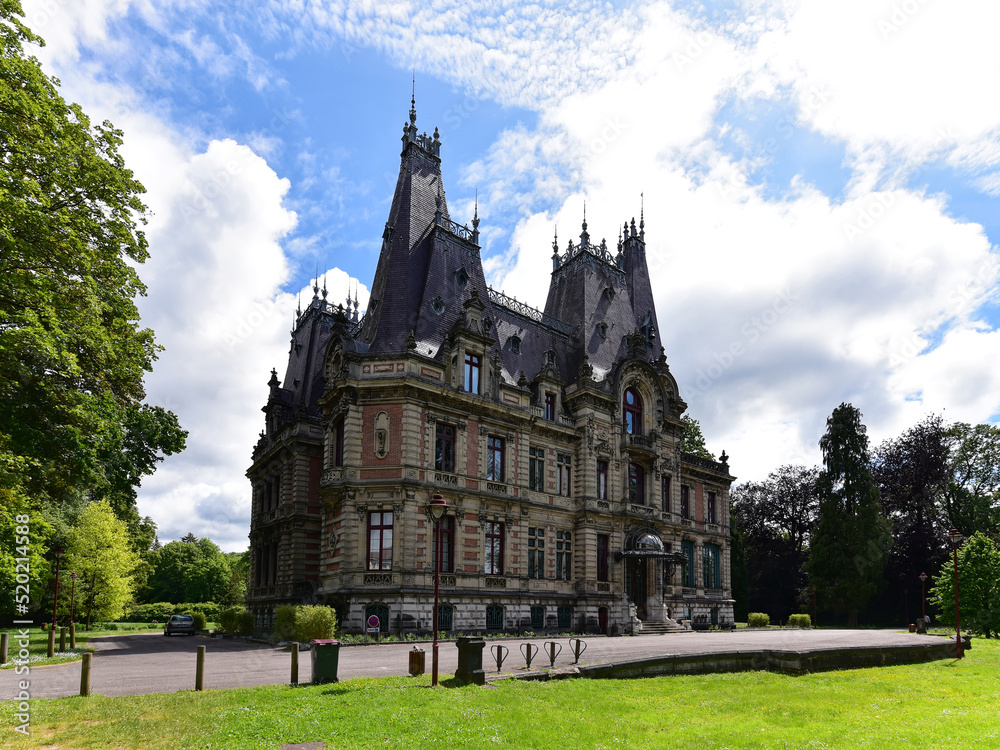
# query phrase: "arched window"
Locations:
[[632, 409]]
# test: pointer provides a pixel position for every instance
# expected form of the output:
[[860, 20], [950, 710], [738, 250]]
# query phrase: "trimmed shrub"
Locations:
[[200, 623], [314, 621], [758, 620], [245, 623], [284, 623], [799, 621], [229, 619]]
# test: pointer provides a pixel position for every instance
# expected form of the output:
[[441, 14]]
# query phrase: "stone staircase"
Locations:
[[662, 628]]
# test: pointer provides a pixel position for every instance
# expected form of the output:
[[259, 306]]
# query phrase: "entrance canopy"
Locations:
[[646, 542]]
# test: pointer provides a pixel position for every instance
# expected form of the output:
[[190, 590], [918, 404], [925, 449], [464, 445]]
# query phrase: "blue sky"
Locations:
[[821, 185]]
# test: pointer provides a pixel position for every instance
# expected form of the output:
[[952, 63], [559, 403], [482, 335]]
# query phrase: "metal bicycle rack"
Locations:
[[528, 651], [553, 649], [579, 646], [499, 654]]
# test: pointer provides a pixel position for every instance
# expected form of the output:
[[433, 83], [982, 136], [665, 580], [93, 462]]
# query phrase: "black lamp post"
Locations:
[[815, 619], [923, 596], [438, 507], [72, 597], [55, 603], [955, 538]]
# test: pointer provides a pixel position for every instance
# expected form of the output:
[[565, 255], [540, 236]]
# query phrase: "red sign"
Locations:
[[373, 622]]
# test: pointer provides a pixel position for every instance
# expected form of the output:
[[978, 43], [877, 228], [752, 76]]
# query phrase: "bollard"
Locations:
[[578, 646], [62, 640], [199, 675], [85, 675], [553, 649], [295, 664], [499, 654], [470, 660], [52, 642], [72, 635], [4, 638], [528, 651]]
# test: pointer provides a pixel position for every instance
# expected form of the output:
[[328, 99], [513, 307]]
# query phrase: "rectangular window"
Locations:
[[446, 527], [602, 480], [444, 448], [602, 557], [536, 552], [380, 540], [665, 492], [636, 484], [687, 549], [711, 567], [685, 501], [562, 464], [494, 458], [536, 469], [472, 373], [563, 555], [711, 508], [338, 443], [550, 406], [494, 548]]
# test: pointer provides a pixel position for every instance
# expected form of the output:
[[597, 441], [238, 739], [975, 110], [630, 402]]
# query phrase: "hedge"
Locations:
[[799, 621], [303, 623], [161, 611], [758, 620]]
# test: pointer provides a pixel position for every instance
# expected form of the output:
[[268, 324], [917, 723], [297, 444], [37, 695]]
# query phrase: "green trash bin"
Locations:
[[325, 657]]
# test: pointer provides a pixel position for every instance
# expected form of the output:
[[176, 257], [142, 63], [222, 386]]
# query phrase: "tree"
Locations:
[[738, 573], [852, 538], [972, 493], [978, 586], [100, 552], [72, 353], [192, 570], [912, 474], [775, 519], [692, 440]]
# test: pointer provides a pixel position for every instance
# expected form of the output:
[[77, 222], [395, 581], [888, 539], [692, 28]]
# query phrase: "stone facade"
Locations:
[[554, 436]]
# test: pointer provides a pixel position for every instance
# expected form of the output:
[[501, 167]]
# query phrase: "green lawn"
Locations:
[[945, 704]]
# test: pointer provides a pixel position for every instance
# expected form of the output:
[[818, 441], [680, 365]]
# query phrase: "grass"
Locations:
[[940, 704], [38, 643]]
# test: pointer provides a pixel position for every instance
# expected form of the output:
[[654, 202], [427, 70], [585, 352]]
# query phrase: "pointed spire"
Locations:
[[584, 235], [642, 217], [316, 284], [555, 249], [413, 100], [324, 286]]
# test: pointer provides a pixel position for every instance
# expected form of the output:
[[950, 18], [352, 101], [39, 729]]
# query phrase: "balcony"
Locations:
[[450, 480]]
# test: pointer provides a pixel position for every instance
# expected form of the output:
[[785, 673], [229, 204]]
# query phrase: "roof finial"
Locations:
[[584, 235], [555, 239], [316, 283], [324, 286], [642, 217], [413, 99], [475, 215]]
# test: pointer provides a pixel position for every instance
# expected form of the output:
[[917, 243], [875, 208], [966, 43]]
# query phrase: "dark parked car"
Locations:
[[179, 624]]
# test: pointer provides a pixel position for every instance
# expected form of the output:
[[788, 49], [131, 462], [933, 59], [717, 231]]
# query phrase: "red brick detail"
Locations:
[[381, 473], [427, 372], [471, 568], [470, 555], [472, 452], [699, 496]]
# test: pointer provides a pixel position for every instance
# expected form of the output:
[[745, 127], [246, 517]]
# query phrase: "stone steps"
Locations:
[[660, 628]]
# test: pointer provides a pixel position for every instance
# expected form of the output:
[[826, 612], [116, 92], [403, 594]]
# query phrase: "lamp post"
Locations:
[[438, 507], [923, 596], [955, 538], [55, 603], [815, 619], [72, 598]]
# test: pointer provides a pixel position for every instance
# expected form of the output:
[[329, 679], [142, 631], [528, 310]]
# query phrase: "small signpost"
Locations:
[[373, 627]]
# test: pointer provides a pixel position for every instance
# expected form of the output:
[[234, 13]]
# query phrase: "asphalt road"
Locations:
[[137, 664]]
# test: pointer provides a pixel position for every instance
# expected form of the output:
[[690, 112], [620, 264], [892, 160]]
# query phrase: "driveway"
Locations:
[[137, 664]]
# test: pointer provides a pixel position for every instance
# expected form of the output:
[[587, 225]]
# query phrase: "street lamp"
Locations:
[[955, 538], [923, 596], [437, 508], [815, 620], [72, 598], [55, 603]]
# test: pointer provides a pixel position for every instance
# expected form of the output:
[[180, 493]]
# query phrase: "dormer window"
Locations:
[[609, 292], [462, 278], [487, 325], [550, 357], [472, 366], [602, 329], [515, 344], [437, 305]]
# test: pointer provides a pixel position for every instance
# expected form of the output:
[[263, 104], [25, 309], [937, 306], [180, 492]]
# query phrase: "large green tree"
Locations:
[[100, 553], [972, 492], [852, 538], [193, 570], [978, 586], [72, 351]]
